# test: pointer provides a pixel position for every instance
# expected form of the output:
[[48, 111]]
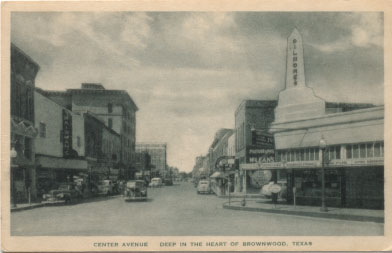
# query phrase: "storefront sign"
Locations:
[[261, 155], [262, 139], [67, 134]]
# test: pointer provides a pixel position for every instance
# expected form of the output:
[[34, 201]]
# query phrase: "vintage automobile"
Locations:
[[66, 193], [135, 190], [105, 187], [168, 181], [156, 182], [204, 187]]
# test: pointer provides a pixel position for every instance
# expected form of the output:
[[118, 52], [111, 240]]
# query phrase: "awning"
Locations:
[[60, 163], [218, 174]]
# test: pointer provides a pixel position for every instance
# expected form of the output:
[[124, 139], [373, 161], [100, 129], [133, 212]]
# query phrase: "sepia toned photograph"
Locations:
[[194, 124]]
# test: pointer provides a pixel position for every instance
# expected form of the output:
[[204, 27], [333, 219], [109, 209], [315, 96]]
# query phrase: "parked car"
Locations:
[[135, 190], [156, 182], [204, 187], [168, 181], [66, 193], [105, 187]]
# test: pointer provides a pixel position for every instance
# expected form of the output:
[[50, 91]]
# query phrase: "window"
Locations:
[[355, 151], [369, 150], [306, 154], [377, 150], [362, 150], [110, 123], [337, 152], [349, 152], [110, 108], [311, 157], [302, 155], [42, 130], [79, 141]]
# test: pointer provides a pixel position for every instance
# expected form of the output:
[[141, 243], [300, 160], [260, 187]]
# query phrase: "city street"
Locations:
[[173, 211]]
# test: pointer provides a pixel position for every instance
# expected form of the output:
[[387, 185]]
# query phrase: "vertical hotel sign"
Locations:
[[67, 133]]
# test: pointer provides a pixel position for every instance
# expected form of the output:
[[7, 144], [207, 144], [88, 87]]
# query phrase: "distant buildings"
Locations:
[[158, 154]]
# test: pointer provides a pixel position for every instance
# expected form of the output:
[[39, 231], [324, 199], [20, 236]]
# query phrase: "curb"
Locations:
[[17, 209], [308, 214]]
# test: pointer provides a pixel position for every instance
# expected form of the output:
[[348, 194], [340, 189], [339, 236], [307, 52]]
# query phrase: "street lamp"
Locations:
[[323, 146], [13, 154]]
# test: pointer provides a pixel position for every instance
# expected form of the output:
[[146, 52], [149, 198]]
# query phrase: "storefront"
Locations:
[[355, 179], [52, 171]]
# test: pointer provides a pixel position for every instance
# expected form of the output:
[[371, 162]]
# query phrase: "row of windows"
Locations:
[[305, 154], [365, 150]]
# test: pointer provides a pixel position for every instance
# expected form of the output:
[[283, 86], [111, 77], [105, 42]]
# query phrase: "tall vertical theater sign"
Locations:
[[67, 134], [353, 159]]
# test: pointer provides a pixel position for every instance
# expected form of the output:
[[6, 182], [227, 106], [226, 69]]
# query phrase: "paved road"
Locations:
[[174, 211]]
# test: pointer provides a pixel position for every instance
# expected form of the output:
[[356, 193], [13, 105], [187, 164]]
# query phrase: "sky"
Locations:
[[188, 71]]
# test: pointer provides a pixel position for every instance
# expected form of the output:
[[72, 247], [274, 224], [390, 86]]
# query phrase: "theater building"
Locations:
[[353, 158], [59, 146]]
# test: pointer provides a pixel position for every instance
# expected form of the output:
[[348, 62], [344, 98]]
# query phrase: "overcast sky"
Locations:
[[188, 71]]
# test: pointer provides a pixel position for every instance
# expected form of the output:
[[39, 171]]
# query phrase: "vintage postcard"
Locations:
[[196, 126]]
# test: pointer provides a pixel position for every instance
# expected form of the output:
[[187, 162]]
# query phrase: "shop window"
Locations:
[[316, 154], [355, 151], [382, 149], [369, 150], [362, 150], [349, 152], [42, 130]]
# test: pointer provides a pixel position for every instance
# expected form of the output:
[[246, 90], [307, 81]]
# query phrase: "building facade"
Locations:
[[59, 145], [23, 73], [158, 154], [340, 146], [113, 107]]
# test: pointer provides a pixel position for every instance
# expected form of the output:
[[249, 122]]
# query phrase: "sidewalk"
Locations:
[[27, 206], [264, 205]]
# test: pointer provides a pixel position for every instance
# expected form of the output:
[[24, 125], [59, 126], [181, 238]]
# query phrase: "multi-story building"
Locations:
[[23, 73], [114, 107], [158, 154], [102, 150], [60, 144]]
